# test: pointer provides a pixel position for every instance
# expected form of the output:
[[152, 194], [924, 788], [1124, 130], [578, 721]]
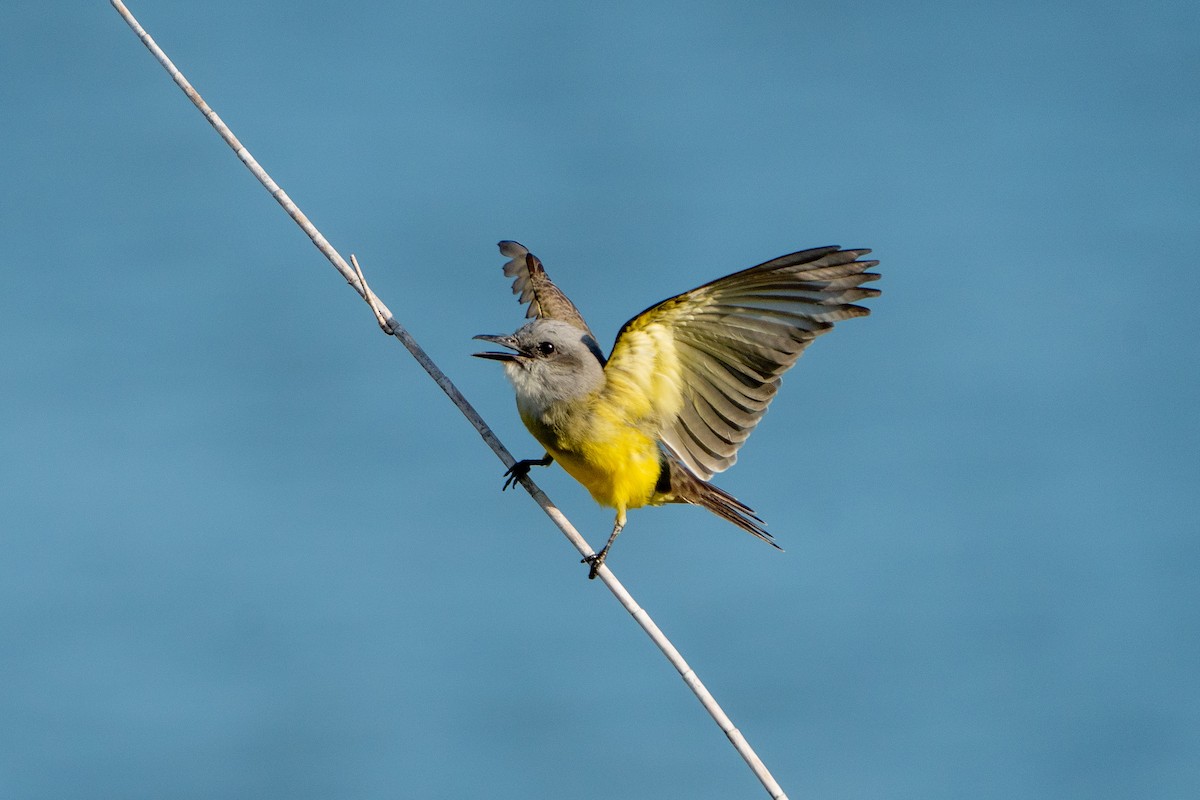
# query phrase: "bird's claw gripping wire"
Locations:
[[514, 474], [595, 560]]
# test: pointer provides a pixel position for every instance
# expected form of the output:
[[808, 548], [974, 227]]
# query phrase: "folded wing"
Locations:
[[703, 366]]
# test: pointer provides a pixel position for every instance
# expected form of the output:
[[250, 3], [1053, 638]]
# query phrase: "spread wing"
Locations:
[[532, 285], [704, 365]]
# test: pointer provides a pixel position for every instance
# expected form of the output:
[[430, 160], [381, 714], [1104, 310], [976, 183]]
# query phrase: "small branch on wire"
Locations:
[[370, 297], [354, 276]]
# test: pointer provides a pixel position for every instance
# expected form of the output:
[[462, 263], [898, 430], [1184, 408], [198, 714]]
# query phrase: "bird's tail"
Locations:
[[681, 486]]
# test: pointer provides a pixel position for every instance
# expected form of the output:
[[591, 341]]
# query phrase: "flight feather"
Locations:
[[532, 285], [708, 362]]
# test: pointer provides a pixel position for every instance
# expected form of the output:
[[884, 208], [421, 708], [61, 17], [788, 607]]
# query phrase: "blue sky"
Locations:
[[250, 550]]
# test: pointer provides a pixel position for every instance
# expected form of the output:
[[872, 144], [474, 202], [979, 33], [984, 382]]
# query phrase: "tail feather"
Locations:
[[681, 486]]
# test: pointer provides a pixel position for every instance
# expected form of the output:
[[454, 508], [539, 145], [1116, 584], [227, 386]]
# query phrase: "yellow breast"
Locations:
[[618, 464]]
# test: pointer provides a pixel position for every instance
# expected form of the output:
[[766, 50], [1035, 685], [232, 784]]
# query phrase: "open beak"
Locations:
[[503, 341]]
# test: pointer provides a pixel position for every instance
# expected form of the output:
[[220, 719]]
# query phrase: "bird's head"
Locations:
[[549, 361]]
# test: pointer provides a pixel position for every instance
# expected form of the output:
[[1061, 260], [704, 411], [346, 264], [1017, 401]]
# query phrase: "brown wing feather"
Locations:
[[532, 285]]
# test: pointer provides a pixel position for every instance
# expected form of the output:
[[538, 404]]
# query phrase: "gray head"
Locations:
[[550, 361]]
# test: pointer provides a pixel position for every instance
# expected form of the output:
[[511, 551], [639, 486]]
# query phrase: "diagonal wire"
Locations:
[[390, 325]]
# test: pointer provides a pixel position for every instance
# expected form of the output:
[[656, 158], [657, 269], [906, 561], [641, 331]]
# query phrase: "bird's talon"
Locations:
[[519, 470], [514, 474], [595, 560]]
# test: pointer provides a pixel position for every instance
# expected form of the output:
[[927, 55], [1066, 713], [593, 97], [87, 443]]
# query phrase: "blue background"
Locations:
[[249, 550]]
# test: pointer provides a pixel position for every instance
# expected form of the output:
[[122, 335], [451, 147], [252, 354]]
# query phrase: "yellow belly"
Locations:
[[620, 473], [617, 464]]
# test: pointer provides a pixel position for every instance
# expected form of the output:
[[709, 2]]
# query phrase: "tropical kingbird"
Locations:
[[685, 384]]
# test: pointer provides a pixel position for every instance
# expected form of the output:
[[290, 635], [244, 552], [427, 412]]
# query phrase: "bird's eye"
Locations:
[[545, 348]]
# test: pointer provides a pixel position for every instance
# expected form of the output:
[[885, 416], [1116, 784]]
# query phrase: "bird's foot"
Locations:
[[514, 474], [594, 560]]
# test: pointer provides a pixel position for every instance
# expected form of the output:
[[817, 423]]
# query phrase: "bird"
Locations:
[[686, 382]]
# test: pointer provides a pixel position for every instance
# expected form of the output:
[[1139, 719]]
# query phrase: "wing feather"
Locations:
[[733, 413], [709, 361], [532, 285]]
